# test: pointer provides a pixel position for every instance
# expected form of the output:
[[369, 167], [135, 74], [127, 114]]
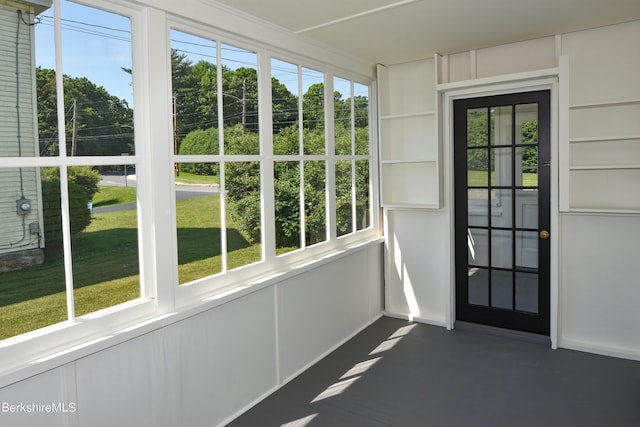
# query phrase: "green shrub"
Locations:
[[200, 141], [85, 176], [52, 213]]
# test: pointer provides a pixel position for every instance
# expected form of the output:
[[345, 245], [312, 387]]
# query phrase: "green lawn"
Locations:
[[479, 179], [111, 195], [189, 178], [105, 263]]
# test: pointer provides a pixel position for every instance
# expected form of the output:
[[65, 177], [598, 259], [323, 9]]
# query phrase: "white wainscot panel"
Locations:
[[600, 285], [47, 399], [518, 57], [226, 359], [199, 371], [605, 122], [603, 63], [418, 263], [320, 309]]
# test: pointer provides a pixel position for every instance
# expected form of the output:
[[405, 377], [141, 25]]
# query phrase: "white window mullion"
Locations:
[[354, 210], [222, 187], [62, 148], [330, 164], [265, 119], [303, 227]]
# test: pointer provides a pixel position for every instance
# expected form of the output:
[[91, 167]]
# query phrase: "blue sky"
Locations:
[[96, 44]]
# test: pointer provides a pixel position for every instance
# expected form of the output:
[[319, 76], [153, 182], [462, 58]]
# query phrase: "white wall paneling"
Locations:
[[600, 286], [417, 265]]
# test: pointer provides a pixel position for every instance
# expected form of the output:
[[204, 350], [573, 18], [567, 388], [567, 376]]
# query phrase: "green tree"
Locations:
[[284, 105], [80, 217], [103, 121], [313, 107]]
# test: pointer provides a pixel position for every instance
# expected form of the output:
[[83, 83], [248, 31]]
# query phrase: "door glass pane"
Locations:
[[477, 168], [501, 164], [527, 249], [501, 208], [527, 208], [527, 123], [501, 125], [478, 205], [502, 289], [478, 246], [477, 127], [527, 166], [527, 292], [501, 244], [478, 280]]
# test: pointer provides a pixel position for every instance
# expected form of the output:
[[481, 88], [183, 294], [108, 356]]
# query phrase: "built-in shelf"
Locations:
[[409, 147], [407, 161], [605, 138], [408, 115], [605, 104], [604, 167]]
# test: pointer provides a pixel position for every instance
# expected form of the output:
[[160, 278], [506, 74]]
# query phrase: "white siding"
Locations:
[[11, 232]]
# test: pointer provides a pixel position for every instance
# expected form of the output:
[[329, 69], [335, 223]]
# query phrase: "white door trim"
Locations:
[[524, 82]]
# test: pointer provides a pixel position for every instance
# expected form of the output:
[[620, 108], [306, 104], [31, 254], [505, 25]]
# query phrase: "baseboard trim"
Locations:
[[501, 332], [621, 353]]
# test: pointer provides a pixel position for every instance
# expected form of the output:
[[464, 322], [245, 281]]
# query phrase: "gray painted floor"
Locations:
[[397, 373]]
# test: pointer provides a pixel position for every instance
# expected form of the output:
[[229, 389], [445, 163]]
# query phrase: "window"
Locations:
[[218, 202], [69, 241], [111, 215], [224, 198]]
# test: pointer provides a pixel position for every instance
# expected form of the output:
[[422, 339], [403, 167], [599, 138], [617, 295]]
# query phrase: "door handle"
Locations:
[[544, 234]]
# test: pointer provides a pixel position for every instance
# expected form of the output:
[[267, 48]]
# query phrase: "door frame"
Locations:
[[517, 83]]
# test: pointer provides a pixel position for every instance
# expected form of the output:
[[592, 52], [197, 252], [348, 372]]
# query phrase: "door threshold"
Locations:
[[502, 332]]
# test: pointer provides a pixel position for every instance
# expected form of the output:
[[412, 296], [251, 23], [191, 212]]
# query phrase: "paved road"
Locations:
[[183, 191]]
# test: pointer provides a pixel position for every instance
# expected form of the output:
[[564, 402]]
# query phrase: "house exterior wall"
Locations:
[[596, 214], [18, 244]]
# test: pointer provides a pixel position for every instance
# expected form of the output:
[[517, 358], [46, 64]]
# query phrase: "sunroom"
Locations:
[[202, 199]]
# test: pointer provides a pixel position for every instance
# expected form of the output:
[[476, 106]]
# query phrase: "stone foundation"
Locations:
[[21, 259]]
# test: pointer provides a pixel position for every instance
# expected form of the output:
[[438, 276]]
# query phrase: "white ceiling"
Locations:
[[392, 31]]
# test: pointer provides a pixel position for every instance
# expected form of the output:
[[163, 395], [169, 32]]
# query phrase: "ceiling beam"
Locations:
[[357, 15]]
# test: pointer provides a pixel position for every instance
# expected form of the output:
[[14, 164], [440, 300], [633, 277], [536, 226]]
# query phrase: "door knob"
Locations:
[[544, 234]]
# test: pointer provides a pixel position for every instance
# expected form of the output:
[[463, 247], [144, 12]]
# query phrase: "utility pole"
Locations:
[[74, 133], [244, 104], [175, 134]]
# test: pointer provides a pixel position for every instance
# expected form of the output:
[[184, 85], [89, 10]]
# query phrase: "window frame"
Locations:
[[160, 295], [272, 264]]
